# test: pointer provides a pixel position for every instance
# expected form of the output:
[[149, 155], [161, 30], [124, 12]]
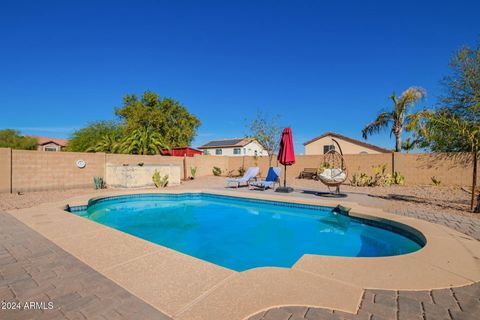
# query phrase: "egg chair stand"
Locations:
[[335, 173]]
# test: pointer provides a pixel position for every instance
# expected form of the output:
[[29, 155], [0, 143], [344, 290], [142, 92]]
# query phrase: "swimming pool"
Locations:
[[244, 233]]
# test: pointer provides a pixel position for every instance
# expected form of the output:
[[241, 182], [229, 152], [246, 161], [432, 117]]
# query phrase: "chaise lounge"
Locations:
[[249, 175], [272, 178]]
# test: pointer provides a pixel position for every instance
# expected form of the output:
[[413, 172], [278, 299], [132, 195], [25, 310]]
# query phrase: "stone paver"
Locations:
[[461, 224], [449, 304], [408, 305], [33, 269]]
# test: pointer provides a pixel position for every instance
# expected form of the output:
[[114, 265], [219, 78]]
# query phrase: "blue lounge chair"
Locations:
[[249, 175], [272, 178]]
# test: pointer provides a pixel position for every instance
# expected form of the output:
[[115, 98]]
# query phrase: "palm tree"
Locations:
[[409, 144], [108, 143], [399, 118], [143, 141]]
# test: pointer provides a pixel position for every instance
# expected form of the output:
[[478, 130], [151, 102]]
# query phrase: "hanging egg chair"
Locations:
[[335, 172]]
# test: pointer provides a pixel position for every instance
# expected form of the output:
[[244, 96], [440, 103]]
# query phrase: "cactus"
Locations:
[[99, 184], [158, 180]]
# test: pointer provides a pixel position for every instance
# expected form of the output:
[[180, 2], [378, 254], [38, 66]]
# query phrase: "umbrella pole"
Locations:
[[284, 189]]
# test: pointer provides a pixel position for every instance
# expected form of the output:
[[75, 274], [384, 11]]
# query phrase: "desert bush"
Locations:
[[158, 180], [379, 179], [398, 178], [241, 171], [216, 171], [360, 179], [436, 181], [193, 172], [99, 183]]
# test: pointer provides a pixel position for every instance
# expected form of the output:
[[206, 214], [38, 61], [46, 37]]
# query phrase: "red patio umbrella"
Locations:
[[286, 156]]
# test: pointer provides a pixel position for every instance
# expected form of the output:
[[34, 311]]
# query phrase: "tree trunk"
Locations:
[[398, 142], [477, 209], [474, 182], [270, 158]]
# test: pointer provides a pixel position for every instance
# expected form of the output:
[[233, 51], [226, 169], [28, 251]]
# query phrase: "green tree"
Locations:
[[455, 125], [10, 138], [143, 141], [398, 118], [87, 139], [168, 117], [266, 130], [409, 144], [109, 143]]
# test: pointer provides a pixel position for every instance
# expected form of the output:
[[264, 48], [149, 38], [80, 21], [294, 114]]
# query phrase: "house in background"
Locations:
[[233, 147], [181, 152], [322, 144], [50, 144]]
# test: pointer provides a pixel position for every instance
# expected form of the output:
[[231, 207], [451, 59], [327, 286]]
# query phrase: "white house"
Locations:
[[233, 147]]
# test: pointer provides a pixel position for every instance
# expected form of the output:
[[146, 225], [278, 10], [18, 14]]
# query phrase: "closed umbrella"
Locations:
[[286, 156]]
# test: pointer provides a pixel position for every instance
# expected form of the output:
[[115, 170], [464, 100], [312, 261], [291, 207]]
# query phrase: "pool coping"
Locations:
[[185, 287]]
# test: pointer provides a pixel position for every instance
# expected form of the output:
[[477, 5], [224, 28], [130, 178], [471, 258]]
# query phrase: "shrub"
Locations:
[[360, 179], [379, 179], [99, 183], [140, 164], [398, 178], [241, 171], [160, 182], [216, 171], [436, 181], [230, 173], [193, 172]]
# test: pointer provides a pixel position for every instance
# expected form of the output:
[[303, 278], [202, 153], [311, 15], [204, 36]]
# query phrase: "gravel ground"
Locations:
[[29, 199], [397, 199], [451, 200]]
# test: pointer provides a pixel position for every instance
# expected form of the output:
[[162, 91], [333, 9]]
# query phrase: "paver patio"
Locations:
[[32, 268]]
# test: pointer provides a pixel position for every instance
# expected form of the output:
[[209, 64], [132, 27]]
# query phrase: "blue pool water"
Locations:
[[241, 234]]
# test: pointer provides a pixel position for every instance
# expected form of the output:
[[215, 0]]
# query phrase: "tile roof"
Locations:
[[44, 140], [355, 141]]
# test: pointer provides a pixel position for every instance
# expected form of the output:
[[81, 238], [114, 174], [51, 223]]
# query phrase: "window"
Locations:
[[256, 153], [206, 152], [327, 148], [237, 151], [363, 152], [50, 149], [218, 152], [244, 150]]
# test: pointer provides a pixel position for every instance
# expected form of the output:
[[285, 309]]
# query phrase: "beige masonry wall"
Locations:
[[206, 163], [41, 170], [451, 170], [418, 169], [44, 170], [5, 167]]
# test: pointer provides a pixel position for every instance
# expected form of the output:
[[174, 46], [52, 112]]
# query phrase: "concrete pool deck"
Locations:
[[184, 287]]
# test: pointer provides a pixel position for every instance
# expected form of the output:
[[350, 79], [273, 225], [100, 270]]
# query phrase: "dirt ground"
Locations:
[[397, 199]]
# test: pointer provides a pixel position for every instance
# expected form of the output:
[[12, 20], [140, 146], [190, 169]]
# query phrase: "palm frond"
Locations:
[[409, 98], [380, 123]]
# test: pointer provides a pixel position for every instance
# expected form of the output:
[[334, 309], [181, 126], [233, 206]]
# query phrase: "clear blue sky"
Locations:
[[321, 65]]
